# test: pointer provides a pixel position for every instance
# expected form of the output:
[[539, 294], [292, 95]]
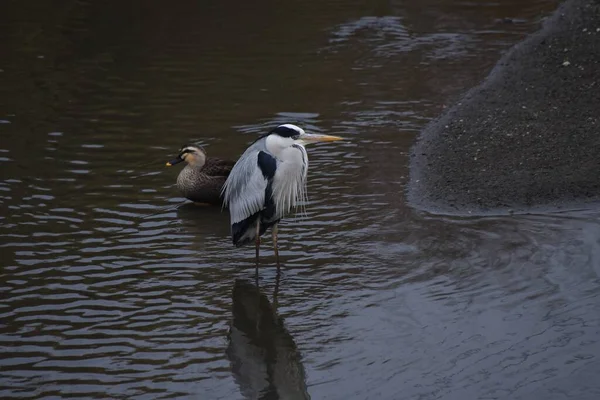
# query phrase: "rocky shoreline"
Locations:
[[529, 136]]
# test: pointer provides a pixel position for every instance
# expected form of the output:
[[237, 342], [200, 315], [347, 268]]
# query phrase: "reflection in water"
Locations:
[[203, 220], [263, 355]]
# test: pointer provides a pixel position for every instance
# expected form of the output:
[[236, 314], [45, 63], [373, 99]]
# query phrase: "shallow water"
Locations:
[[111, 288]]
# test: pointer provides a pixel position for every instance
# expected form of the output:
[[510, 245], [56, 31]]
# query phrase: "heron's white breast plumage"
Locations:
[[289, 182]]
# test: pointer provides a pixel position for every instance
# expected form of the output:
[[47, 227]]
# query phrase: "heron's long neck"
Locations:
[[289, 183]]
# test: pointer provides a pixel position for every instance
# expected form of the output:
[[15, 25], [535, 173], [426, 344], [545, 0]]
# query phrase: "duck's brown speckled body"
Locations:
[[202, 178]]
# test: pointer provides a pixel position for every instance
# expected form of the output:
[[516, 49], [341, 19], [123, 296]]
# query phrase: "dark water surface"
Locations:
[[110, 289]]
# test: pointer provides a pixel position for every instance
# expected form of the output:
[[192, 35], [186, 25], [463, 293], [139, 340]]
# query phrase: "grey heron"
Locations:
[[266, 182]]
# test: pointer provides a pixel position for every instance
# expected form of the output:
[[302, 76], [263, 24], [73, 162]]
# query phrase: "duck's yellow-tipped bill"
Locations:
[[174, 161]]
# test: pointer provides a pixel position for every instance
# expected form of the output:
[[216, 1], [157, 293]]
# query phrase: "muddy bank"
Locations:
[[528, 136]]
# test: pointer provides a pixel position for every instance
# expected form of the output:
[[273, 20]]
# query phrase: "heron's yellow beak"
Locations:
[[315, 138]]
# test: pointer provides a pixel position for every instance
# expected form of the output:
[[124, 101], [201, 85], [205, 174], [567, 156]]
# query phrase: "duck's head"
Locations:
[[191, 154]]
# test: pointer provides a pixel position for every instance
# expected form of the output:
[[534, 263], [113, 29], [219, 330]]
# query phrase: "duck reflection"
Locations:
[[204, 220], [264, 359]]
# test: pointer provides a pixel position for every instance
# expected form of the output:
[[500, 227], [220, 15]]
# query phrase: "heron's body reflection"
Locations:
[[264, 359]]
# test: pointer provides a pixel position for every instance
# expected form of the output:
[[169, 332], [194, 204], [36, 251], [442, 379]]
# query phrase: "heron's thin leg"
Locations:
[[274, 231], [257, 244], [276, 290]]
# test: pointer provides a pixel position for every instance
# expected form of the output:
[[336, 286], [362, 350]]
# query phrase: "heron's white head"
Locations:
[[287, 135], [191, 154]]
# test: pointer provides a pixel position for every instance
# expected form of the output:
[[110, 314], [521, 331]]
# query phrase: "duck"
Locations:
[[202, 179]]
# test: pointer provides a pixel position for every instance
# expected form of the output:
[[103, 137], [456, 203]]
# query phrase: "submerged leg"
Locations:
[[257, 245], [274, 231]]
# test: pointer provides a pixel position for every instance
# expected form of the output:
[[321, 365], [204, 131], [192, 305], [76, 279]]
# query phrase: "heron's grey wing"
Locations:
[[244, 190], [247, 193], [247, 190]]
